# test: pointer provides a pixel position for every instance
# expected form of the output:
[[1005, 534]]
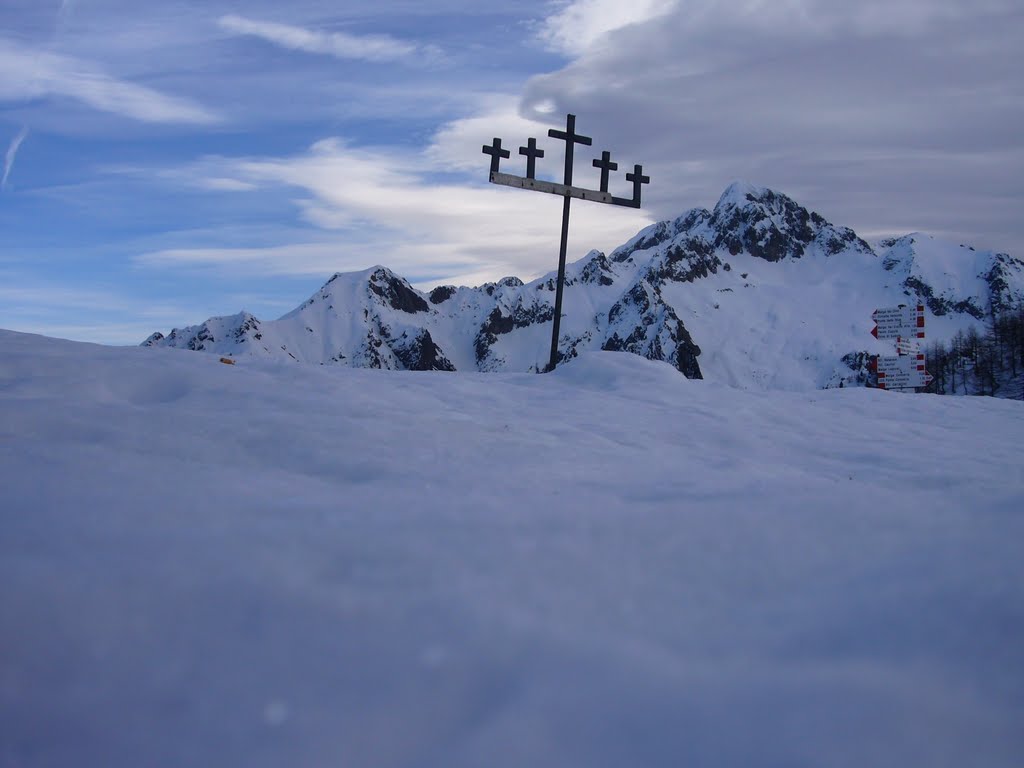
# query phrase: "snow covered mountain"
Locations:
[[757, 293]]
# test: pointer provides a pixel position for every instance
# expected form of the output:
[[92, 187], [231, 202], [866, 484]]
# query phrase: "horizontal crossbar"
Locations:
[[561, 190]]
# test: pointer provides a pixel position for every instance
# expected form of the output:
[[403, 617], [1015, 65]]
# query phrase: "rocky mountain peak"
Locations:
[[379, 284], [395, 291], [698, 291], [772, 226], [740, 194]]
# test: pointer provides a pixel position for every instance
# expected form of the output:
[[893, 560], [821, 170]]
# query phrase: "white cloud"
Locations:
[[369, 206], [222, 184], [12, 153], [337, 44], [457, 144], [583, 23], [294, 259], [27, 74]]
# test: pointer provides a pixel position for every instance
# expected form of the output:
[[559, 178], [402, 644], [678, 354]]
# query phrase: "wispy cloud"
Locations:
[[581, 24], [337, 44], [294, 259], [45, 305], [367, 206], [28, 73], [12, 152]]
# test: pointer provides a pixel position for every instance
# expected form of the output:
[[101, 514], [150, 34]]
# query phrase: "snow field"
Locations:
[[271, 564]]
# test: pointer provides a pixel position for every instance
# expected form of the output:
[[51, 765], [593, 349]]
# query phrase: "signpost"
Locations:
[[905, 326], [566, 191], [902, 372], [907, 346], [902, 321]]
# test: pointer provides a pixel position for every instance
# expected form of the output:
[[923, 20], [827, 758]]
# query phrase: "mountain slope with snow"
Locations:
[[757, 293], [268, 564]]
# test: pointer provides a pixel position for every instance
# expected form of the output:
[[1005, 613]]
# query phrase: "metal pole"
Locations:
[[561, 282]]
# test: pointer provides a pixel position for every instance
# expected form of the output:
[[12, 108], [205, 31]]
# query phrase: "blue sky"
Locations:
[[165, 162]]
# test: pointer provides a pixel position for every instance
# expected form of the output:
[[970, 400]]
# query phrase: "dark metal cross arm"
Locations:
[[570, 137], [638, 178], [532, 153], [496, 153], [569, 134], [605, 164]]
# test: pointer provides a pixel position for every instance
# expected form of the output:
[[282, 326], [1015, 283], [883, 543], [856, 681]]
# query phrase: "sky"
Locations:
[[167, 162]]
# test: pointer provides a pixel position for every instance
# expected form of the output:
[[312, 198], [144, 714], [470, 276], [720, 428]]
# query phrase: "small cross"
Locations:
[[638, 178], [496, 153], [532, 153], [605, 164], [570, 137]]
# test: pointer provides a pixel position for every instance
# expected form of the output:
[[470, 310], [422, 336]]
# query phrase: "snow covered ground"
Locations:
[[280, 565]]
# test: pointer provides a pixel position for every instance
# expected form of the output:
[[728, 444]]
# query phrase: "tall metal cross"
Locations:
[[571, 138], [496, 153], [532, 153], [567, 191], [606, 164]]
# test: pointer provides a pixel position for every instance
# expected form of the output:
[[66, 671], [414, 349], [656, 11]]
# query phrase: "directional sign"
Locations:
[[907, 346], [899, 322], [902, 372], [901, 362], [911, 380]]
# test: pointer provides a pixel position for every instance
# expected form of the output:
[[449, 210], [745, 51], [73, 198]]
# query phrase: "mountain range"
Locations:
[[757, 293]]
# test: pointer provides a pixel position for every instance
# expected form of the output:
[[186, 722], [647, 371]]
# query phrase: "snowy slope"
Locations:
[[757, 293], [271, 564], [955, 282]]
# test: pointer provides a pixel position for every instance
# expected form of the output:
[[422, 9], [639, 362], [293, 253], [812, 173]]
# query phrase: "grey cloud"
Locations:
[[911, 119]]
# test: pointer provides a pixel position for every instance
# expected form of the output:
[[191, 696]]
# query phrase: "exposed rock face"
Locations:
[[758, 291], [643, 324], [597, 270], [1005, 280], [442, 293], [396, 292], [954, 279], [858, 372], [503, 321], [417, 352], [939, 305], [770, 226]]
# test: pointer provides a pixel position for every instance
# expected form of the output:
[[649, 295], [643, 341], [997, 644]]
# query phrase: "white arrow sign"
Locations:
[[902, 372], [907, 346], [909, 380], [895, 322]]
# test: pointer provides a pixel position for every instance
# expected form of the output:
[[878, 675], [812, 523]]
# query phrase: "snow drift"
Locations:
[[267, 564]]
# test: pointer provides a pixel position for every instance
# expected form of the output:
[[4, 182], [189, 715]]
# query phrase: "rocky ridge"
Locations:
[[758, 292]]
